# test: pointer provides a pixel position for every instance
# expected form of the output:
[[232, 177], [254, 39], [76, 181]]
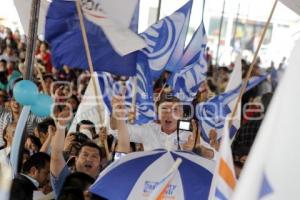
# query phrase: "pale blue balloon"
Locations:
[[25, 92], [42, 106]]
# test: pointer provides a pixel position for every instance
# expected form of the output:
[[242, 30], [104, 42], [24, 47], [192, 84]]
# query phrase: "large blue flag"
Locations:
[[191, 69], [163, 38], [64, 34], [212, 113]]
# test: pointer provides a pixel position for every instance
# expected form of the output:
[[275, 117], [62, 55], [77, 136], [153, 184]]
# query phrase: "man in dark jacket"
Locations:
[[35, 174]]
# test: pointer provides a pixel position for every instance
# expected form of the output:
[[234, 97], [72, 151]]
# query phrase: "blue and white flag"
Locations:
[[145, 108], [162, 39], [224, 179], [191, 69], [272, 167], [179, 48], [63, 32], [195, 48], [212, 113]]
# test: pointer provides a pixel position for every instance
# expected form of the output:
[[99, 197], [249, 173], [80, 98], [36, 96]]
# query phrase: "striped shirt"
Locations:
[[6, 118]]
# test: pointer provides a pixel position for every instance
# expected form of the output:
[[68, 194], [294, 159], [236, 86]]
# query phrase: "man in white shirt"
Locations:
[[154, 135]]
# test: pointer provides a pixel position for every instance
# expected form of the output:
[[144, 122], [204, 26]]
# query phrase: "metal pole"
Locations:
[[236, 24], [29, 60], [32, 37], [158, 10], [218, 48]]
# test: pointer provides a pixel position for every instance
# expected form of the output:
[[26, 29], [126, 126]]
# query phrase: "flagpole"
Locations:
[[218, 48], [158, 10], [19, 139], [236, 26], [243, 88], [91, 67], [133, 101], [32, 37], [41, 78]]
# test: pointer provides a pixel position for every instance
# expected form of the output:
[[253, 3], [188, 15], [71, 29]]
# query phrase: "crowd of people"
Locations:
[[62, 165]]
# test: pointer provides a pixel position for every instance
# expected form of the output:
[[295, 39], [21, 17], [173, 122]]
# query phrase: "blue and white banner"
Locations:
[[191, 69], [213, 113], [63, 32], [162, 39]]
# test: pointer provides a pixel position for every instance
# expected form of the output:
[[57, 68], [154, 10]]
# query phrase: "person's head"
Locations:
[[77, 181], [88, 159], [48, 79], [3, 65], [14, 106], [74, 102], [43, 47], [33, 143], [38, 167], [8, 133], [26, 155], [169, 111], [42, 128], [87, 127]]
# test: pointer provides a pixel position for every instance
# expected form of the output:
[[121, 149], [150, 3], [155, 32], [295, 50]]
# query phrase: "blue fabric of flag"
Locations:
[[191, 69], [212, 113], [162, 39], [63, 32]]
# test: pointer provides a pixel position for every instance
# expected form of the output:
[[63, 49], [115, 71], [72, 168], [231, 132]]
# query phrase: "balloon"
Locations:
[[25, 92], [42, 106]]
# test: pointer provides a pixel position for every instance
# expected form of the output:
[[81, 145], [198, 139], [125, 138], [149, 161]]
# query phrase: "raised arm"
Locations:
[[118, 115], [51, 133], [57, 144]]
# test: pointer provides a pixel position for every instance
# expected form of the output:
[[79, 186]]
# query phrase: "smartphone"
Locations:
[[184, 125], [119, 155]]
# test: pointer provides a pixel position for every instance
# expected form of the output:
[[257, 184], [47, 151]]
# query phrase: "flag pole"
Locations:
[[19, 138], [133, 101], [218, 48], [91, 67], [245, 82], [158, 10], [41, 78]]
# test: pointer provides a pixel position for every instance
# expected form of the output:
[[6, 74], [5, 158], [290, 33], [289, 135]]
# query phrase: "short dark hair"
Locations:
[[168, 98], [43, 126], [37, 160], [79, 180], [35, 140], [92, 145], [70, 193], [86, 122]]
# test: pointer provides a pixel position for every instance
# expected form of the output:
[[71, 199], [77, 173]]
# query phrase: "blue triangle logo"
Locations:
[[266, 188]]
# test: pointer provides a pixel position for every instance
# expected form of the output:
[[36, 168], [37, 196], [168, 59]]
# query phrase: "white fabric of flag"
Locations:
[[272, 168]]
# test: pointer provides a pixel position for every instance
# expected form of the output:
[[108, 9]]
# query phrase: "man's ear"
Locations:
[[33, 171]]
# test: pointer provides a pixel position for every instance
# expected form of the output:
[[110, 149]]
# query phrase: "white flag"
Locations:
[[24, 10], [224, 180], [272, 168], [293, 5], [234, 82], [114, 17], [88, 108]]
